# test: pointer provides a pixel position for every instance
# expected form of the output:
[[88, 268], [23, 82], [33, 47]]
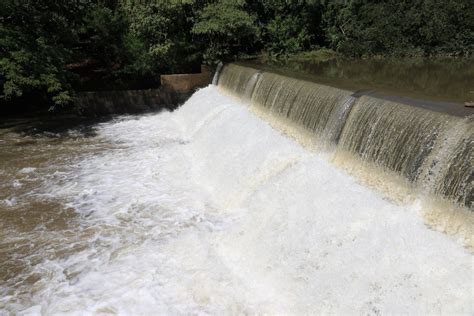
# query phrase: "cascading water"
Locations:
[[237, 79], [451, 169], [215, 79], [337, 120], [307, 104], [209, 210], [392, 136]]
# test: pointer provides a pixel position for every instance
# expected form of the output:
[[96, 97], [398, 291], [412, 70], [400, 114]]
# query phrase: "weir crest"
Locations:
[[432, 151]]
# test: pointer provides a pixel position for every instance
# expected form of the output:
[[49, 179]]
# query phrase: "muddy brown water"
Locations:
[[34, 227], [39, 151]]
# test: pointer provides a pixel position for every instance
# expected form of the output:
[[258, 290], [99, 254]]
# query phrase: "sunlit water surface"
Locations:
[[208, 210]]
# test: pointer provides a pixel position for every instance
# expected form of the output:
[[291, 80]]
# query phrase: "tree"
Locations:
[[288, 26], [400, 27], [101, 36], [50, 48], [225, 30], [35, 40], [163, 28]]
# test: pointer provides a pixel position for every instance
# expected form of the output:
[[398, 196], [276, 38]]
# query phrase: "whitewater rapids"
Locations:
[[209, 210]]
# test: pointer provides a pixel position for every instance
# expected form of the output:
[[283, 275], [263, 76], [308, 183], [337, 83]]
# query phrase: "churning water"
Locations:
[[208, 209]]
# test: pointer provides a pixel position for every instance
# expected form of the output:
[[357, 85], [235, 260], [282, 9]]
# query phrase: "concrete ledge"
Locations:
[[96, 103], [184, 83], [174, 90]]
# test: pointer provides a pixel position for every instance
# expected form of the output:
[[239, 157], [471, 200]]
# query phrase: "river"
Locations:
[[208, 210]]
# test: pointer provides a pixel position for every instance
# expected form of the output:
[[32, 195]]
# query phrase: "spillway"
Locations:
[[211, 210], [407, 140]]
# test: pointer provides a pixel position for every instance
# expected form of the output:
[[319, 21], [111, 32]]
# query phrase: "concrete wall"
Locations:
[[97, 103], [184, 83], [174, 90]]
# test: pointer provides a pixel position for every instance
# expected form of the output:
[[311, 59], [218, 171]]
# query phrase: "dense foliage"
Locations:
[[50, 48], [226, 28], [35, 42], [400, 27]]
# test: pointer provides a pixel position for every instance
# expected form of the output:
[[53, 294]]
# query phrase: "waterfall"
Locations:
[[449, 171], [215, 79], [235, 79], [208, 209], [307, 104], [392, 135], [432, 150]]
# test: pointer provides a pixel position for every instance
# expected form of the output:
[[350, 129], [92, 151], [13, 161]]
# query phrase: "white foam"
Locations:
[[16, 184], [209, 210], [27, 170]]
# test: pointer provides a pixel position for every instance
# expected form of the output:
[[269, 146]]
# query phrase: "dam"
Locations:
[[433, 150], [261, 194]]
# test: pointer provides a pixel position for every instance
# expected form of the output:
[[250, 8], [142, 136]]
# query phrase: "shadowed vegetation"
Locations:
[[49, 49]]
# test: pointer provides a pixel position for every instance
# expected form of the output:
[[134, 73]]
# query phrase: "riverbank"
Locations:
[[173, 90]]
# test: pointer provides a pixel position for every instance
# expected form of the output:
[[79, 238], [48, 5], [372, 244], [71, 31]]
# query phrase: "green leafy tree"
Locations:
[[400, 27], [50, 48], [225, 29], [447, 27], [101, 36], [159, 37], [35, 41], [288, 26]]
